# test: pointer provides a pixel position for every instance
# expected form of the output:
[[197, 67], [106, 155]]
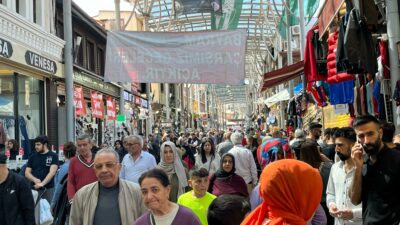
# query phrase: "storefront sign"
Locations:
[[95, 83], [203, 57], [138, 100], [97, 104], [6, 49], [111, 111], [40, 62], [79, 101]]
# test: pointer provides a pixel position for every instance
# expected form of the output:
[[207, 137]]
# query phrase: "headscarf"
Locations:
[[267, 152], [173, 168], [221, 172], [291, 190]]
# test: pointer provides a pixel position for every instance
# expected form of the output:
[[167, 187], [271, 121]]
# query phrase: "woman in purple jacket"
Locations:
[[155, 188]]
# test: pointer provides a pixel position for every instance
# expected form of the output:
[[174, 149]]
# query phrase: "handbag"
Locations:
[[46, 218]]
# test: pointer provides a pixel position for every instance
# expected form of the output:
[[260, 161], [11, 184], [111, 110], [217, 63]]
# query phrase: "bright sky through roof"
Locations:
[[92, 7]]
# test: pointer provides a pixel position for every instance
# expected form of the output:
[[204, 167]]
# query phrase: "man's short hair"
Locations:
[[388, 131], [314, 125], [347, 133], [108, 150], [298, 133], [361, 120], [84, 137], [236, 138], [202, 172], [42, 139], [227, 210], [136, 137]]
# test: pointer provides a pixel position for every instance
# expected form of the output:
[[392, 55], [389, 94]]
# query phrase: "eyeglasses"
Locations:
[[131, 144], [108, 165]]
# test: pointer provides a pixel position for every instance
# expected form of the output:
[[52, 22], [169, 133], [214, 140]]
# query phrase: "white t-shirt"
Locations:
[[167, 218]]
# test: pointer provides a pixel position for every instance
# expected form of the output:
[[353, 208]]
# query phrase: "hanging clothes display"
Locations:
[[384, 57], [25, 138], [314, 57], [359, 44], [334, 76]]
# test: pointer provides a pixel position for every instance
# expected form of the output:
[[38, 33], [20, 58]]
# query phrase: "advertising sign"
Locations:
[[111, 111], [97, 104], [79, 101]]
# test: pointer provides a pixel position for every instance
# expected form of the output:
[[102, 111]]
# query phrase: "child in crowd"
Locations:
[[198, 199]]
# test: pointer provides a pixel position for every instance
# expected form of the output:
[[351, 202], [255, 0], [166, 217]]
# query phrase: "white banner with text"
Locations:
[[205, 57]]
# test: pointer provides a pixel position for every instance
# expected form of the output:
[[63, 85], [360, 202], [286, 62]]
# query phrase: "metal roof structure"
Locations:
[[258, 17]]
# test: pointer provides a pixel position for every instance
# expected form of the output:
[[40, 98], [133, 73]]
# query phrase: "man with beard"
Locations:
[[314, 132], [342, 172], [376, 181], [328, 147], [42, 167]]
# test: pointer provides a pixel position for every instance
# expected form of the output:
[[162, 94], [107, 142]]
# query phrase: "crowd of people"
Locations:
[[348, 175]]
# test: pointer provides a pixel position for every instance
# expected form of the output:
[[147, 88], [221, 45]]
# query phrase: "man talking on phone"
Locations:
[[376, 181]]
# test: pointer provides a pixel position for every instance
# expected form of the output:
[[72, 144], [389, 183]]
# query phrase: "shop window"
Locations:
[[100, 61], [90, 55], [21, 109], [79, 57]]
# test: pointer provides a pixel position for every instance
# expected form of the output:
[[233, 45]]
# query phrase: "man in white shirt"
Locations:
[[137, 161], [340, 178], [244, 161]]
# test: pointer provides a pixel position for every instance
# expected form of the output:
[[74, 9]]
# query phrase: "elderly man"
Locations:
[[137, 161], [244, 161], [80, 171], [225, 146], [110, 200]]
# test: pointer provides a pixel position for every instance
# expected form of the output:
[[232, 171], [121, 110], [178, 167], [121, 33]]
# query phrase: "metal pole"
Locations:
[[393, 29], [68, 70], [118, 28], [302, 39], [289, 49], [167, 112], [149, 124]]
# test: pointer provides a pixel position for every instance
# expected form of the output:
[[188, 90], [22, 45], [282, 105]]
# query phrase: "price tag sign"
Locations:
[[8, 153], [21, 151]]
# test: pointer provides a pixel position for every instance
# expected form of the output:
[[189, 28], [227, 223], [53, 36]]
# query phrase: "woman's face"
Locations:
[[118, 145], [168, 155], [10, 145], [227, 163], [207, 147], [155, 195]]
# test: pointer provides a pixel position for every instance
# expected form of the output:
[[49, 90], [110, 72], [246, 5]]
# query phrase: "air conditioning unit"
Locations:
[[295, 30]]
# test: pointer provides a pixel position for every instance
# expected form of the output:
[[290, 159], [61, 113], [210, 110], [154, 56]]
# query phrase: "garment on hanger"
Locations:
[[313, 72], [341, 93], [383, 48], [334, 76], [359, 44]]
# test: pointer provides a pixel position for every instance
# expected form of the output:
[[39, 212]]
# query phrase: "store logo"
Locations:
[[40, 62], [6, 49]]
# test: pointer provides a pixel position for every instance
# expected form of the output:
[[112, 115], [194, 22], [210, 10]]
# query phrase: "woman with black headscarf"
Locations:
[[225, 181]]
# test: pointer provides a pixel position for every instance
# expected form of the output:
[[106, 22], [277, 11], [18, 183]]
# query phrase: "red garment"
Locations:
[[79, 175], [234, 185], [310, 69], [333, 76], [383, 47]]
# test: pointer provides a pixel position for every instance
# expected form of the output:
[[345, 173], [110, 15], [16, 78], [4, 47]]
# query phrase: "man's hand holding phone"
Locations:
[[357, 154]]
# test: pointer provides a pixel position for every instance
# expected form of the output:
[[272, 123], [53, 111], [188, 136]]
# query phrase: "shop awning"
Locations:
[[328, 13], [284, 74], [280, 96]]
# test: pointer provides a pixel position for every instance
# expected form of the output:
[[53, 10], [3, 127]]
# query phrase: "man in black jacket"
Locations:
[[16, 202]]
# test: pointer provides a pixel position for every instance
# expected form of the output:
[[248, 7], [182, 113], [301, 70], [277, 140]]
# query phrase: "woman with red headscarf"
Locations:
[[291, 190]]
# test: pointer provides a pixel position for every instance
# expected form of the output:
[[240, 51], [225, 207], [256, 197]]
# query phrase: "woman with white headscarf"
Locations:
[[172, 165]]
